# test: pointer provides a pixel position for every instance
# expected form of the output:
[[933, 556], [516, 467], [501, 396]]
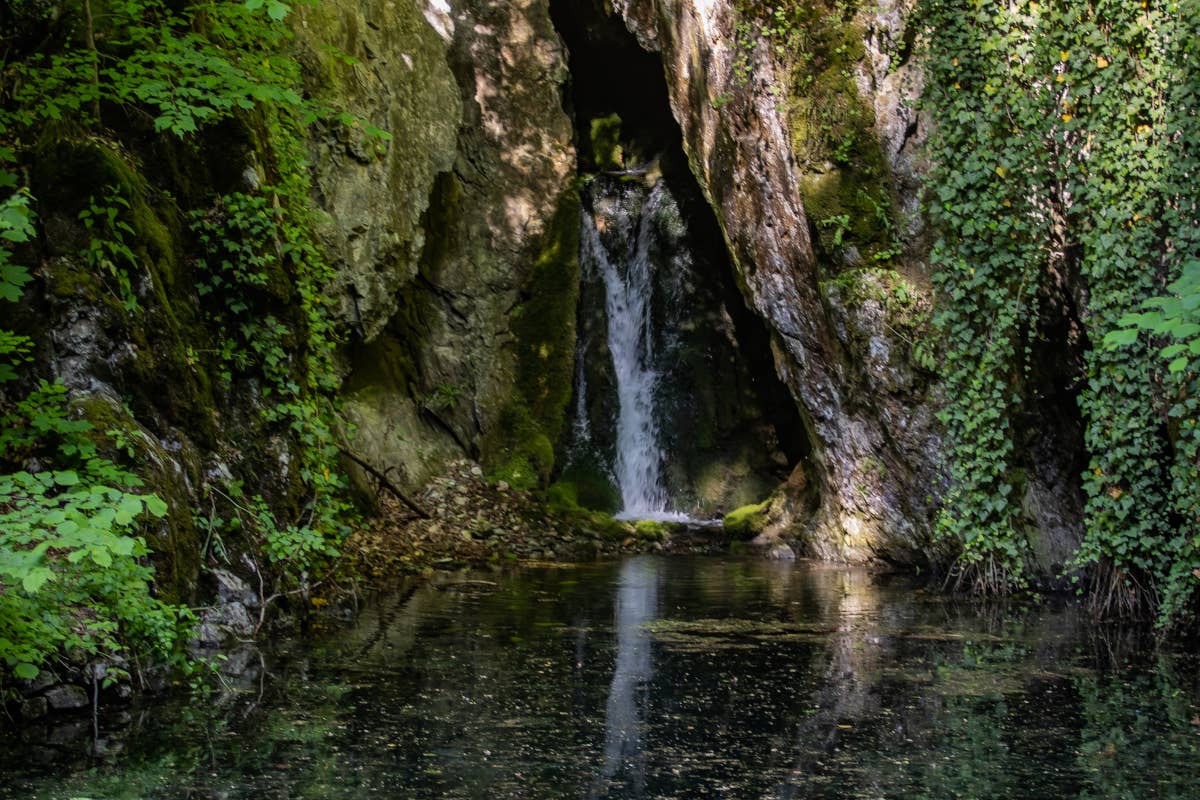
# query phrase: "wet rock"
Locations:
[[874, 450], [43, 680], [67, 697], [781, 552], [68, 733], [34, 707], [232, 589], [223, 622]]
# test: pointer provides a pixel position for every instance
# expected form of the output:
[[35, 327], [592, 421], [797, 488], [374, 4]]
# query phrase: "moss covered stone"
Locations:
[[844, 182], [607, 151], [165, 375], [652, 530], [520, 448], [748, 521], [174, 541], [590, 486]]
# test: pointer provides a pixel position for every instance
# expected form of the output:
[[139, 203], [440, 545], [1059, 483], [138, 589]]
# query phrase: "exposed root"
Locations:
[[1117, 593], [987, 578]]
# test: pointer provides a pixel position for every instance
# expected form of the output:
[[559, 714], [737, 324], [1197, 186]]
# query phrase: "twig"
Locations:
[[385, 483]]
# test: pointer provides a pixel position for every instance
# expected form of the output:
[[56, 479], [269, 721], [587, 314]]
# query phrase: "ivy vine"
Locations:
[[1064, 145]]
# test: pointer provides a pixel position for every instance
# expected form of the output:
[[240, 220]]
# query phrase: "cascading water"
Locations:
[[628, 290]]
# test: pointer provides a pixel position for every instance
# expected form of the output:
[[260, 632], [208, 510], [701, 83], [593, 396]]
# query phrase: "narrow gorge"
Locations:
[[858, 338]]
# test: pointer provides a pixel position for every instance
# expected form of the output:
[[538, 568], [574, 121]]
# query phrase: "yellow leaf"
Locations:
[[1101, 62], [1063, 55], [957, 86], [1067, 117], [1001, 171], [1059, 78], [954, 61]]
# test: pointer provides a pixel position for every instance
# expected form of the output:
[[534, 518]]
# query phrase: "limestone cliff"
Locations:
[[452, 248], [448, 245], [866, 407]]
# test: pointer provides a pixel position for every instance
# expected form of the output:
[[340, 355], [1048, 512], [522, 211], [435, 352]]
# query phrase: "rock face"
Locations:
[[456, 257], [867, 414], [453, 248], [465, 223]]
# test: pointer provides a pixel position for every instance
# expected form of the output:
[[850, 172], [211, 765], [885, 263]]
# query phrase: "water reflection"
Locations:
[[663, 678], [636, 604]]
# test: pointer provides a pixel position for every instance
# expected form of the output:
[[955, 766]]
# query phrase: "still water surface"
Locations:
[[665, 678]]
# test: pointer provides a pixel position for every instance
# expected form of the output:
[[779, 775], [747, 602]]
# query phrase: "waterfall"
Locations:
[[582, 429], [628, 289]]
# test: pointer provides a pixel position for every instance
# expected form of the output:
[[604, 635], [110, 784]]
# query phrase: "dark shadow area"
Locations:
[[612, 74]]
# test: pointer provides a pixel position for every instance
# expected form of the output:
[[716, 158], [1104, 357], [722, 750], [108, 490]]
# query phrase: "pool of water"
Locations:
[[659, 677]]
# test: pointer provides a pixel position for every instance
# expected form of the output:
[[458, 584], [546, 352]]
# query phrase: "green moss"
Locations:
[[845, 186], [71, 279], [590, 487], [166, 331], [524, 457], [607, 153], [748, 521], [520, 447], [562, 496], [607, 526], [652, 530]]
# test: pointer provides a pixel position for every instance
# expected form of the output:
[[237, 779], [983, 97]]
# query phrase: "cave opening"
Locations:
[[685, 395]]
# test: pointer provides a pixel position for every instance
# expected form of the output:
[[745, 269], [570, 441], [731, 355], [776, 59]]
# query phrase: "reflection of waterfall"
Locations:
[[628, 290], [636, 605]]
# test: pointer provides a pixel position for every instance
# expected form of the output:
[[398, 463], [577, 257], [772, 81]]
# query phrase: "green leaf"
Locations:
[[155, 505], [25, 671], [1121, 338], [66, 478], [36, 579]]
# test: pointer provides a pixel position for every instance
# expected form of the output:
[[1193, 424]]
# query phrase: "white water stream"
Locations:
[[628, 287]]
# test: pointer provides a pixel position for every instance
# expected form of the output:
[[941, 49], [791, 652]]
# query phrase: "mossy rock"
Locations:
[[589, 487], [748, 521], [650, 529], [520, 450], [607, 152], [167, 329], [176, 547], [845, 183]]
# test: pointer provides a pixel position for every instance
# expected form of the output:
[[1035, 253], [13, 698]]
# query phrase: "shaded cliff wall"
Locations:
[[806, 138], [457, 253], [872, 430], [452, 248]]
